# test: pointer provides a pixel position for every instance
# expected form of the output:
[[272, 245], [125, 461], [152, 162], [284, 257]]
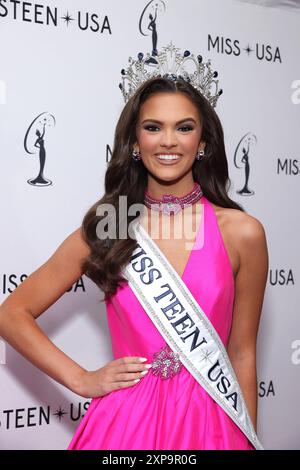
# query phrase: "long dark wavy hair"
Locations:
[[125, 177]]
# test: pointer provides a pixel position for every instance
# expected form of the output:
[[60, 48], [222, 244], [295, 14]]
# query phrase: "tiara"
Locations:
[[170, 63]]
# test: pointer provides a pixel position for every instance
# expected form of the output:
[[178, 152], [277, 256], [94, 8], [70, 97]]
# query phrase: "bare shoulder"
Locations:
[[241, 232], [72, 251], [245, 226]]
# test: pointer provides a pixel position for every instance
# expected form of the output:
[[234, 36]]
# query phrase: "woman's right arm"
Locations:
[[35, 295]]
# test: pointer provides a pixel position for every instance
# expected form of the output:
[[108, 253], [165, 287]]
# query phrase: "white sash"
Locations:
[[185, 327]]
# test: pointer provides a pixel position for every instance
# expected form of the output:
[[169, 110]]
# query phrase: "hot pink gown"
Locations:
[[175, 413]]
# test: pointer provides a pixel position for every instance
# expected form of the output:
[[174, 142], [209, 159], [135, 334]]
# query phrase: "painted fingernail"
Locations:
[[136, 380], [142, 359], [144, 372]]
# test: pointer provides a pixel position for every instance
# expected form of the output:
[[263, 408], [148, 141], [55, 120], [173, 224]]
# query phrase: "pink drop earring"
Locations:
[[200, 155], [136, 155]]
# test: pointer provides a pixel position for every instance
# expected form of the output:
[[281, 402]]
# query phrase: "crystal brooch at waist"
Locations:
[[166, 363]]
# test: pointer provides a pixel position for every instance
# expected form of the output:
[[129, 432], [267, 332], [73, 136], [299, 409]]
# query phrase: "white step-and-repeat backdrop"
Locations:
[[60, 66]]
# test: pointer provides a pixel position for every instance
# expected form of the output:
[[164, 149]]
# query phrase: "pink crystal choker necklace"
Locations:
[[173, 204]]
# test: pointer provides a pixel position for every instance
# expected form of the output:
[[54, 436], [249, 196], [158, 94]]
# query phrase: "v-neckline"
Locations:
[[201, 224]]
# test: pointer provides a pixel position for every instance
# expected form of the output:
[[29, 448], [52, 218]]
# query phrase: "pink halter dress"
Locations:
[[174, 413]]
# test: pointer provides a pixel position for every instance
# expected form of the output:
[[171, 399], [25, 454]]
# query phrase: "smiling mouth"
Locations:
[[168, 158]]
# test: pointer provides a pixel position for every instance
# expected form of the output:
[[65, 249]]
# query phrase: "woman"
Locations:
[[40, 143], [168, 140], [152, 27]]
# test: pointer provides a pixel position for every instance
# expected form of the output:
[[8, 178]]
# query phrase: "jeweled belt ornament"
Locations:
[[166, 363]]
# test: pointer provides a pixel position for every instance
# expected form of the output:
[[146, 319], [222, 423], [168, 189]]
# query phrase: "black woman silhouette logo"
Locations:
[[241, 158], [35, 138], [148, 21]]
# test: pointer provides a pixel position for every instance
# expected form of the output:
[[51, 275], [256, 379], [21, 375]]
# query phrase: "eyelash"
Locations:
[[189, 128]]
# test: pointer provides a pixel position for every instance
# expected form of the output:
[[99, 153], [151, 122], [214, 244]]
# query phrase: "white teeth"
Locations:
[[168, 157]]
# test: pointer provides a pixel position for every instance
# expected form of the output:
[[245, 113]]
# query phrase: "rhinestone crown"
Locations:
[[170, 63]]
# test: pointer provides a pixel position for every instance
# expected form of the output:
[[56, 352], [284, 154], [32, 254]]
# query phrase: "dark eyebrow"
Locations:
[[179, 122]]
